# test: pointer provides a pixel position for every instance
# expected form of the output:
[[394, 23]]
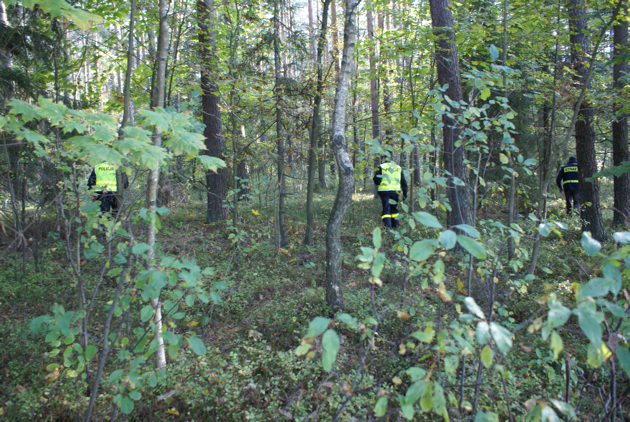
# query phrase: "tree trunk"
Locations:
[[621, 212], [448, 73], [373, 87], [282, 240], [159, 90], [334, 297], [315, 132], [216, 182], [584, 133]]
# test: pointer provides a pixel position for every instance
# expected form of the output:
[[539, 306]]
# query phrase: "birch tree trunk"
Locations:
[[154, 175], [584, 133], [621, 212], [315, 132], [448, 73], [334, 296]]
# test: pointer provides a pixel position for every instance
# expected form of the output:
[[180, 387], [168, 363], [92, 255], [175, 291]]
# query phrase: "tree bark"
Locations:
[[315, 132], [448, 73], [334, 296], [621, 212], [216, 182], [373, 87], [584, 133], [154, 175], [282, 231]]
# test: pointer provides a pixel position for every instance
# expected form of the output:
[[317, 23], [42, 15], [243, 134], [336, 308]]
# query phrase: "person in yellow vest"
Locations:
[[568, 181], [391, 183], [103, 177]]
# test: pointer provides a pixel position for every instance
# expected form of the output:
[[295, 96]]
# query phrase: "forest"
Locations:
[[314, 210]]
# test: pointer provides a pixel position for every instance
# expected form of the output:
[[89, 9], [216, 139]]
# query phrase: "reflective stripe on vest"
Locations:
[[106, 177], [391, 175], [570, 181]]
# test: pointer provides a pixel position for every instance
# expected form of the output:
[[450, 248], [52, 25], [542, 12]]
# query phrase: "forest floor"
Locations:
[[250, 370]]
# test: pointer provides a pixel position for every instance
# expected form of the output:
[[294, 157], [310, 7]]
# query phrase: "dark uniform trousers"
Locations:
[[573, 200], [390, 211]]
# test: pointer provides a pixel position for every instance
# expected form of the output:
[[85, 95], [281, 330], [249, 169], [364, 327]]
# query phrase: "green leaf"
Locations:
[[486, 356], [426, 399], [146, 313], [565, 408], [469, 230], [448, 238], [210, 163], [348, 320], [622, 237], [90, 352], [135, 395], [427, 219], [595, 288], [474, 308], [589, 320], [190, 300], [558, 314], [423, 336], [376, 237], [414, 392], [377, 265], [486, 417], [330, 344], [416, 373], [423, 249], [502, 337], [126, 405], [471, 245], [494, 53], [381, 407], [623, 356], [483, 332], [197, 346], [544, 229], [152, 381], [406, 408], [140, 248], [590, 245], [115, 376], [317, 326], [439, 401], [485, 93], [556, 344]]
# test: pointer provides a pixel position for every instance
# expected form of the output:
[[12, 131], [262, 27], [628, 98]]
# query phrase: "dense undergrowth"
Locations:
[[250, 370]]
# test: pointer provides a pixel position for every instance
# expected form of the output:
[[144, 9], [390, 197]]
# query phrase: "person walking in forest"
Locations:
[[391, 182], [103, 177], [568, 182]]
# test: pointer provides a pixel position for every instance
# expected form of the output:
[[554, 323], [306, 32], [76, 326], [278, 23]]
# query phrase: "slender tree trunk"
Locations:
[[5, 59], [279, 129], [448, 73], [621, 212], [315, 132], [152, 188], [312, 45], [373, 87], [584, 133], [216, 182], [334, 296]]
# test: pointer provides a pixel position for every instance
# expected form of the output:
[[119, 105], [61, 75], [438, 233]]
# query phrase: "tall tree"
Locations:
[[373, 85], [281, 226], [621, 212], [216, 182], [449, 74], [154, 175], [584, 133], [315, 132], [334, 296]]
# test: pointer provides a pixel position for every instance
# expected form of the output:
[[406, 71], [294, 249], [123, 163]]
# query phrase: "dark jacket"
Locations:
[[378, 176], [568, 177]]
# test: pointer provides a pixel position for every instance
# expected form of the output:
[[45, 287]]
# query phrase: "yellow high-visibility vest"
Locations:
[[106, 177], [391, 176]]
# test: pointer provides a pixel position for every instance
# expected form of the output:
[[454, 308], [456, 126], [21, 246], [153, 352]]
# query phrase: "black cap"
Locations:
[[572, 159]]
